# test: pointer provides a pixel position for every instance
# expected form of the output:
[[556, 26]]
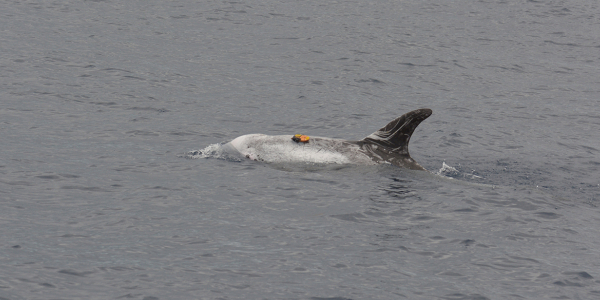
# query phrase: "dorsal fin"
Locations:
[[396, 134]]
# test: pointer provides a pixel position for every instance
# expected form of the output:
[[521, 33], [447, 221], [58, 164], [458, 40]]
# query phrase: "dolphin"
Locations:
[[386, 145]]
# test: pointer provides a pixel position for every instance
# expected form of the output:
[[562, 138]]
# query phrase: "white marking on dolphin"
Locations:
[[386, 145]]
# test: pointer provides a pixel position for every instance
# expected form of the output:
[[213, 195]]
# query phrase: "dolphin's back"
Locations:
[[390, 143], [387, 145]]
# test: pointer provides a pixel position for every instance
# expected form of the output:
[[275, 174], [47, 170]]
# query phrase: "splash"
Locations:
[[451, 172], [211, 151], [448, 171]]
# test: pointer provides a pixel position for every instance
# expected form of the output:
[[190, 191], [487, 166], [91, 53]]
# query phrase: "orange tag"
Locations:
[[300, 138]]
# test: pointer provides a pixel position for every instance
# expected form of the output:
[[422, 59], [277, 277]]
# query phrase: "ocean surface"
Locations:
[[105, 107]]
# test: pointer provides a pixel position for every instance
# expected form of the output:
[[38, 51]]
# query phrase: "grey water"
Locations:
[[104, 103]]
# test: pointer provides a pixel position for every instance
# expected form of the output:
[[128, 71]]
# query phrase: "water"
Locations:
[[101, 103]]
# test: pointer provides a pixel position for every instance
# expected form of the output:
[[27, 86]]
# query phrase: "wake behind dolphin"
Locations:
[[386, 145]]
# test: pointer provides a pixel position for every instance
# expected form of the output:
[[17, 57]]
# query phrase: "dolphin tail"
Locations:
[[395, 135]]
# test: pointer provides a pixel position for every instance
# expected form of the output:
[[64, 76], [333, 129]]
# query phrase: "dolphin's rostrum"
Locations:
[[387, 145]]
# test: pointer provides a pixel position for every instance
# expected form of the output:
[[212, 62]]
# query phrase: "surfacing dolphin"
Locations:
[[386, 145]]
